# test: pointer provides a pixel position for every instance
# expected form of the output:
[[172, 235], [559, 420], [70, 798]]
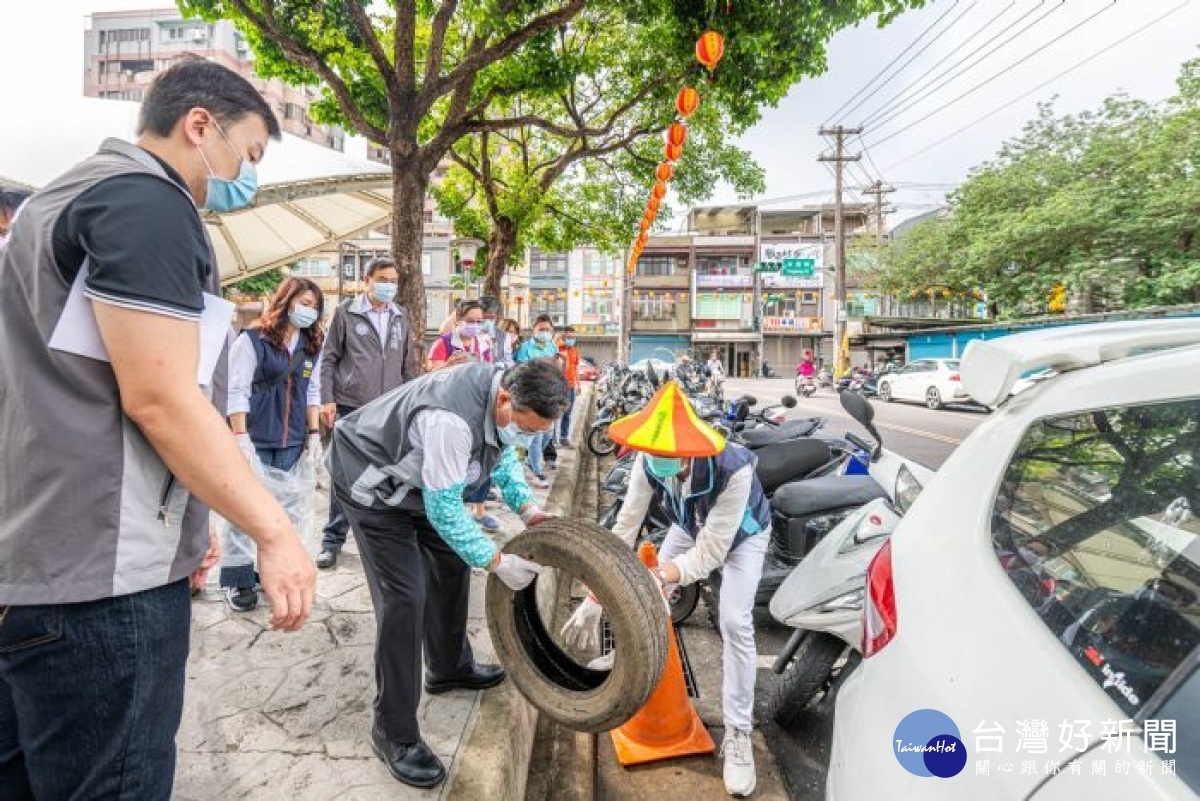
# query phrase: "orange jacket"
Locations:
[[571, 370]]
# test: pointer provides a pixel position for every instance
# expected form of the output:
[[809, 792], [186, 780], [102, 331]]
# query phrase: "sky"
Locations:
[[944, 50]]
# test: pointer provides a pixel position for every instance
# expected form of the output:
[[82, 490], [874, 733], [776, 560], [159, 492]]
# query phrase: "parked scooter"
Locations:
[[822, 598]]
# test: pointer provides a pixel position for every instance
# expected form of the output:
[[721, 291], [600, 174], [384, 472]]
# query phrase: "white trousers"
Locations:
[[740, 575]]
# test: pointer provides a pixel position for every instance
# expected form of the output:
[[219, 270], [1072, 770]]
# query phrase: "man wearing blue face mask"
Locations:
[[541, 346], [719, 518], [402, 467], [370, 350], [114, 453]]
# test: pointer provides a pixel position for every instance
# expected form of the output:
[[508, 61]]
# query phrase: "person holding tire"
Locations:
[[369, 350], [720, 518], [402, 467]]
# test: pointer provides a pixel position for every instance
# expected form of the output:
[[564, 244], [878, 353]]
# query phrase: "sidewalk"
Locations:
[[270, 715]]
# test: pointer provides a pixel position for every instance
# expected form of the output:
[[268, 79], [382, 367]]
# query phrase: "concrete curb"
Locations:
[[493, 762]]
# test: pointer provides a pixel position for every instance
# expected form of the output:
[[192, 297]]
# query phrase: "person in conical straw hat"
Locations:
[[719, 518]]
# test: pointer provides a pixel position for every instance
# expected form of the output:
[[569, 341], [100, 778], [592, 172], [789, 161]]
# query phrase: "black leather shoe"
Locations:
[[480, 678], [414, 764], [327, 559]]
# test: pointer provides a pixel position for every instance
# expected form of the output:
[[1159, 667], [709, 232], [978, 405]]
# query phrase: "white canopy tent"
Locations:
[[309, 196]]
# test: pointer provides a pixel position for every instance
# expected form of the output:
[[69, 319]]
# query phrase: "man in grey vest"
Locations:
[[401, 467], [110, 460]]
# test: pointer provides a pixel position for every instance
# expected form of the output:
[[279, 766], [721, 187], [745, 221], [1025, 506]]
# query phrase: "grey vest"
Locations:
[[371, 458], [88, 510]]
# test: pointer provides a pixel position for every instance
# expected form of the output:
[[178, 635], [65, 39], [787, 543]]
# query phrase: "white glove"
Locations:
[[603, 662], [582, 629], [312, 449], [247, 448], [515, 572]]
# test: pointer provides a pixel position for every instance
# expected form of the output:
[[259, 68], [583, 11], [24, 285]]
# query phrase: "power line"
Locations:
[[984, 83], [889, 65], [911, 58], [953, 72], [1040, 86], [918, 81]]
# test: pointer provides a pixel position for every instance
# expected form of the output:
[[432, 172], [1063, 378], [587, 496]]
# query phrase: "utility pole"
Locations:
[[839, 158], [878, 190]]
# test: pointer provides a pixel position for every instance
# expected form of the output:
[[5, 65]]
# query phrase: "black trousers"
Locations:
[[419, 588]]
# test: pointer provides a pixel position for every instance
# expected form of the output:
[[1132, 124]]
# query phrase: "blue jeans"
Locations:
[[245, 576], [480, 495], [91, 695], [536, 446], [565, 425]]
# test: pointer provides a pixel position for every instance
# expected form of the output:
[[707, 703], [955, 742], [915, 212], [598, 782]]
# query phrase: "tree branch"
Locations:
[[367, 31], [473, 63], [437, 44], [307, 57], [404, 51]]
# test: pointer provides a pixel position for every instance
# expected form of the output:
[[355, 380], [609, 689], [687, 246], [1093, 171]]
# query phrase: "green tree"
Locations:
[[262, 285], [418, 75]]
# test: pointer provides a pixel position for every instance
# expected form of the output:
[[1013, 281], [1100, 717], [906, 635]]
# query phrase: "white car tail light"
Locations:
[[879, 610]]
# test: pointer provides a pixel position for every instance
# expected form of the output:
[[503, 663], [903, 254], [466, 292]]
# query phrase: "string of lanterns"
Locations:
[[710, 48]]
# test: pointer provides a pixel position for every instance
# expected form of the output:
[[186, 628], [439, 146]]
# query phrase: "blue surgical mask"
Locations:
[[570, 343], [543, 336], [303, 316], [489, 327], [513, 436], [384, 293], [225, 195], [472, 329], [664, 466]]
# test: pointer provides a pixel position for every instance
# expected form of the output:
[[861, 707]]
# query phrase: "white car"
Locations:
[[1032, 629], [934, 382]]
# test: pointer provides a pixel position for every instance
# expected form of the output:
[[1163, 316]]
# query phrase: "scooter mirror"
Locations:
[[788, 401], [857, 407]]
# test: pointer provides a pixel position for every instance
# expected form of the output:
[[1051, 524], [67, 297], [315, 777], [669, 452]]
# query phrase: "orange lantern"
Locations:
[[659, 191], [645, 225], [673, 152], [676, 133], [664, 172], [652, 206], [687, 101], [641, 239], [710, 47]]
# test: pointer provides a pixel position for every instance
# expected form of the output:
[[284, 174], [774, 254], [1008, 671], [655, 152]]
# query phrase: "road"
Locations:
[[920, 434], [911, 430]]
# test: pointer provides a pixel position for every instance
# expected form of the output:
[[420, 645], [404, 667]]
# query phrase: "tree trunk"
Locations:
[[409, 183], [502, 241]]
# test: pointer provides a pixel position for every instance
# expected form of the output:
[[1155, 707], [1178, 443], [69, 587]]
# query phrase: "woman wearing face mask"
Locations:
[[468, 342], [540, 346], [369, 351], [274, 406]]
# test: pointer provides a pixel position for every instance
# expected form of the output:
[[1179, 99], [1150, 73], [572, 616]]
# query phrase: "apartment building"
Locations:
[[124, 50]]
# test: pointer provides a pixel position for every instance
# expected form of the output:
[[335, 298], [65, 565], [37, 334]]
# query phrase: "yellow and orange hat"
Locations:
[[667, 426]]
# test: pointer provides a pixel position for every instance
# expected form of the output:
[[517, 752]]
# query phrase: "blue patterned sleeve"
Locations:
[[448, 515], [509, 477]]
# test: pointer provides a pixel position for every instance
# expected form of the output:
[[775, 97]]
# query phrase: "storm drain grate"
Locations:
[[607, 643]]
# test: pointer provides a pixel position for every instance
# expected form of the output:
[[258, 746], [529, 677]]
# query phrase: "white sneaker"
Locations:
[[738, 751]]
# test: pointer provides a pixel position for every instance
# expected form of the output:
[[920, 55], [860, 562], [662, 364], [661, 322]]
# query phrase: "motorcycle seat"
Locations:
[[786, 461], [788, 429], [801, 498]]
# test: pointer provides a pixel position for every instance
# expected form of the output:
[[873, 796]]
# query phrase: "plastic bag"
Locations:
[[295, 490]]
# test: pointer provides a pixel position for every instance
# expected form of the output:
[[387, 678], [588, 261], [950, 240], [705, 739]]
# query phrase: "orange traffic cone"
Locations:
[[667, 726]]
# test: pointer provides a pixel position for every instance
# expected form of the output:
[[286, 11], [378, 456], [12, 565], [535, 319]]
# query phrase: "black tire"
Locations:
[[598, 441], [933, 399], [565, 691], [806, 675], [683, 603]]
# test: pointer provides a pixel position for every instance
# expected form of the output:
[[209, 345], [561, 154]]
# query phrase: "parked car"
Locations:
[[588, 371], [934, 382], [1039, 604]]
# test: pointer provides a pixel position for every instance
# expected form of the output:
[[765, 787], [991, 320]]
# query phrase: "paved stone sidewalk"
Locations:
[[288, 716]]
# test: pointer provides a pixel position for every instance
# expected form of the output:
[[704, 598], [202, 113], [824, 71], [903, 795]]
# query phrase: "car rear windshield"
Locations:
[[951, 365], [1095, 523]]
